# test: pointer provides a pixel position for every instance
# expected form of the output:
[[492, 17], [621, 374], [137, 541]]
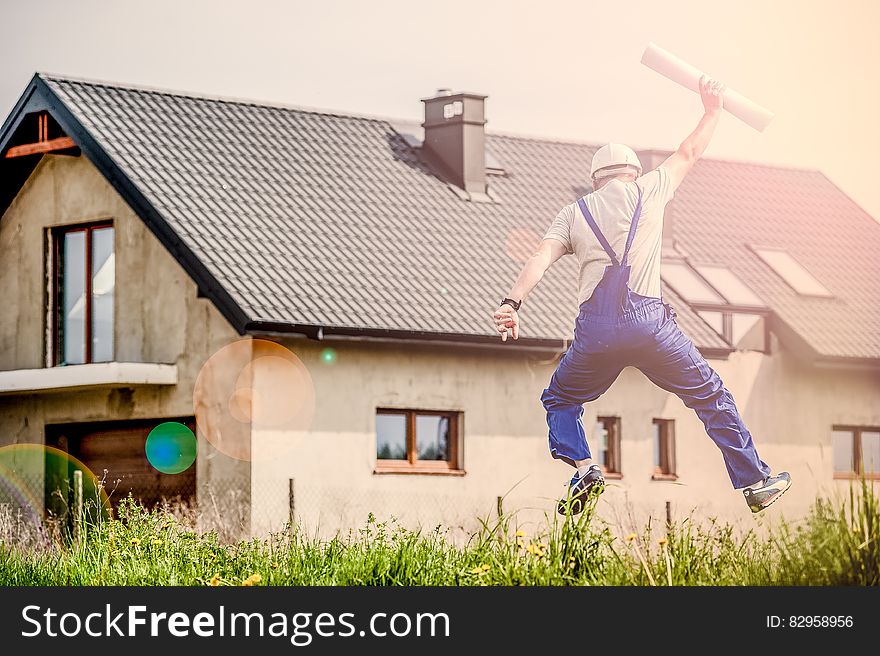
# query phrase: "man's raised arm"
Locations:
[[679, 164]]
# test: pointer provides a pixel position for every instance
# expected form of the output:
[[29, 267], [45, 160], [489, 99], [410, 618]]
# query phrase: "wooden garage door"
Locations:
[[117, 448]]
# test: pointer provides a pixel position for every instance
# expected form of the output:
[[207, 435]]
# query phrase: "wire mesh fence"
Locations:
[[39, 509]]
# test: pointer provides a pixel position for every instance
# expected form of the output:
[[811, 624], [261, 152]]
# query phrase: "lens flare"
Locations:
[[250, 396], [328, 356], [38, 482], [520, 243], [171, 447]]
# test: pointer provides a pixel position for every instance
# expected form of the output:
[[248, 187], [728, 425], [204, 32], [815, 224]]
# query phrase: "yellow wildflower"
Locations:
[[251, 580], [135, 542], [486, 567], [477, 570], [215, 581], [157, 542], [630, 537], [520, 533], [662, 541], [535, 549], [274, 565]]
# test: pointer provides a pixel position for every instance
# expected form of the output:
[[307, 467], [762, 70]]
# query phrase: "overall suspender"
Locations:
[[604, 242]]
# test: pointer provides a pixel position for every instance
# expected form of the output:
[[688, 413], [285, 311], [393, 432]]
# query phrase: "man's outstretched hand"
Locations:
[[507, 321], [711, 93]]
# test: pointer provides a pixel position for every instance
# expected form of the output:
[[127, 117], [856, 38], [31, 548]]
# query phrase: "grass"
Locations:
[[838, 543]]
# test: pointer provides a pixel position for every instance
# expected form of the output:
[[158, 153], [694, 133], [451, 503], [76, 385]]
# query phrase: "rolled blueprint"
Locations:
[[670, 66]]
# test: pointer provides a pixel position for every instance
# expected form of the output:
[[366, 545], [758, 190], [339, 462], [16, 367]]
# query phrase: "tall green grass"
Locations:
[[838, 543]]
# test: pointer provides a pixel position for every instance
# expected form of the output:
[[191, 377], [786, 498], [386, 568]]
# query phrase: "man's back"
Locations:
[[612, 206]]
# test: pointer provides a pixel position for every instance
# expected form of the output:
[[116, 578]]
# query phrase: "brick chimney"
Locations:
[[455, 138], [650, 160]]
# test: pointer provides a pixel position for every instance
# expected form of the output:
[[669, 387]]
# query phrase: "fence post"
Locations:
[[499, 507], [291, 504], [77, 505], [668, 515]]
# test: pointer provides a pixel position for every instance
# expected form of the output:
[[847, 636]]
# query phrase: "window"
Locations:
[[85, 278], [742, 330], [792, 272], [663, 439], [417, 441], [606, 445], [731, 287], [687, 283], [856, 451]]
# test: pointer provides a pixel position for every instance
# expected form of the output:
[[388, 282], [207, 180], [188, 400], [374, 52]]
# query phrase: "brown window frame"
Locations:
[[57, 234], [666, 471], [412, 465], [858, 463], [613, 469]]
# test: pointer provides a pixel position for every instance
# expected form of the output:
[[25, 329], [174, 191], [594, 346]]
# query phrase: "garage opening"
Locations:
[[115, 452]]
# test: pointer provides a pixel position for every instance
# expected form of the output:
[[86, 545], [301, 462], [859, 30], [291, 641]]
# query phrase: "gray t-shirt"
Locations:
[[612, 207]]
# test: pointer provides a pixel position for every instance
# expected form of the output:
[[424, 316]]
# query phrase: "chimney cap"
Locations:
[[448, 93]]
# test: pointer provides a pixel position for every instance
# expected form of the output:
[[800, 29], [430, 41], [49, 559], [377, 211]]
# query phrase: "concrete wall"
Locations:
[[788, 406], [158, 316]]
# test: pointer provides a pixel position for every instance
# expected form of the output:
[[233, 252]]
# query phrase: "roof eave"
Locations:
[[333, 333]]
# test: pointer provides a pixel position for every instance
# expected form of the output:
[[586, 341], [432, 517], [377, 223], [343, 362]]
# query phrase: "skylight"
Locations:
[[792, 272], [493, 164], [689, 284], [731, 287]]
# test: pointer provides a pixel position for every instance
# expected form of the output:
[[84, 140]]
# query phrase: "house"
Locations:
[[310, 294]]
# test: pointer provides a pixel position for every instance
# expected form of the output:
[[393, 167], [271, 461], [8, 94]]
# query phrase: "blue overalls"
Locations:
[[617, 328]]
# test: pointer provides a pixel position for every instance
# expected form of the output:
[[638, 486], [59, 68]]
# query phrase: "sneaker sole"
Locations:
[[575, 505], [773, 499]]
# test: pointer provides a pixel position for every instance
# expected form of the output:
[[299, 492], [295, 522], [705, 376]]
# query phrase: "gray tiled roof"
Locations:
[[318, 219]]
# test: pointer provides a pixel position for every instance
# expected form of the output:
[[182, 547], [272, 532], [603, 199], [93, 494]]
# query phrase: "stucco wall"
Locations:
[[158, 316], [788, 406]]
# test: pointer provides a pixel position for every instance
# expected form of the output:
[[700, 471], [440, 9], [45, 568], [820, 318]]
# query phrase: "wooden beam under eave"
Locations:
[[61, 143]]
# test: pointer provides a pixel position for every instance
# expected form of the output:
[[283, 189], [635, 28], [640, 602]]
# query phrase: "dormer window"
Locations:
[[722, 300], [85, 280]]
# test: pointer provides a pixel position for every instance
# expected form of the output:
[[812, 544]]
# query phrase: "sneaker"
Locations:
[[579, 490], [769, 491]]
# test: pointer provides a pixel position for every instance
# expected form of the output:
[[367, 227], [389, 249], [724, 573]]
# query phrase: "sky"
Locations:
[[559, 69]]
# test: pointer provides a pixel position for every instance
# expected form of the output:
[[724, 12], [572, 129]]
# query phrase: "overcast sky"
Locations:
[[560, 69]]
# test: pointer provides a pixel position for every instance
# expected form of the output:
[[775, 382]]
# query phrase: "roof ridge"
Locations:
[[394, 122], [195, 95]]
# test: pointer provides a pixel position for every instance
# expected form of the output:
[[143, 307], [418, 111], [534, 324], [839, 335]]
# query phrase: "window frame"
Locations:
[[57, 234], [858, 462], [667, 469], [614, 469], [412, 464]]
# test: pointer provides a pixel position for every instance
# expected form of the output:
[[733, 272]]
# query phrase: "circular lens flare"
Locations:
[[250, 395], [521, 243], [328, 356], [38, 483], [171, 447]]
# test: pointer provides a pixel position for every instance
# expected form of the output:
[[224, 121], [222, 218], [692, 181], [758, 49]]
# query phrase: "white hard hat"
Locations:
[[616, 158]]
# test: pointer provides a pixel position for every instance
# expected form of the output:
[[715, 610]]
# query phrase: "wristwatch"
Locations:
[[509, 301]]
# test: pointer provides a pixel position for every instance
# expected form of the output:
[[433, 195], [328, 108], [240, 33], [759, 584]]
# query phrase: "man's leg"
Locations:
[[676, 365], [579, 378]]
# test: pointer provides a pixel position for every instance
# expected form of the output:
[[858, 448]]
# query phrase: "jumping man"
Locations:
[[623, 320]]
